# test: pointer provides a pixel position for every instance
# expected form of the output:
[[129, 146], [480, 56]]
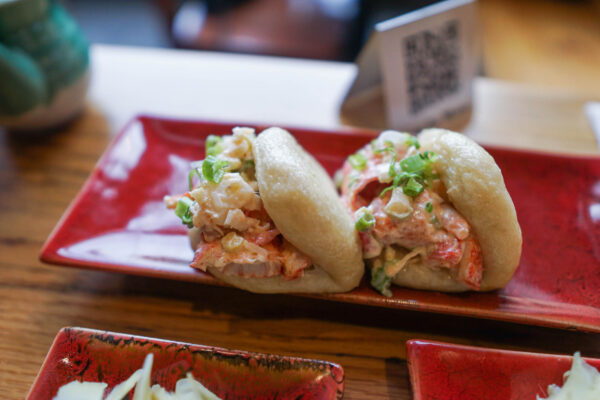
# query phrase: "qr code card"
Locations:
[[424, 63]]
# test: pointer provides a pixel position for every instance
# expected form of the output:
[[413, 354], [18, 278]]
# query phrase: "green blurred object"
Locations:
[[44, 64]]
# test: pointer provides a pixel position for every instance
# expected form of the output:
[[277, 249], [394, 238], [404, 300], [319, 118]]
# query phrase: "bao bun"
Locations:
[[302, 201], [476, 188]]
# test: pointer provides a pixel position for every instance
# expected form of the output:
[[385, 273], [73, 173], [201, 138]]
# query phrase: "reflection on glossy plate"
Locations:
[[97, 356], [119, 223], [445, 371]]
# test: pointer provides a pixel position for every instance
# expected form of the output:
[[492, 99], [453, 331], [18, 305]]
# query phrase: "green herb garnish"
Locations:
[[196, 166], [358, 161], [389, 147], [213, 169], [182, 210], [428, 207], [412, 188], [213, 145], [412, 141], [381, 282], [365, 220], [413, 173]]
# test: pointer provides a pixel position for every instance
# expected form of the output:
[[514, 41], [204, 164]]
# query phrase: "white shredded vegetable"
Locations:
[[582, 382], [187, 388]]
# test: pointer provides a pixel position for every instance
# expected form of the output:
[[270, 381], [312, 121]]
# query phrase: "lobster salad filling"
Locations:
[[403, 215], [229, 225]]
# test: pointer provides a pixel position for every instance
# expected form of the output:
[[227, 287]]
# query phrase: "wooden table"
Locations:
[[40, 176]]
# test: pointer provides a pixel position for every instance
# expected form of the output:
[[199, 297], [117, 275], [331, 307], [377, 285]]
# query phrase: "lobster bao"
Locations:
[[432, 213], [265, 216]]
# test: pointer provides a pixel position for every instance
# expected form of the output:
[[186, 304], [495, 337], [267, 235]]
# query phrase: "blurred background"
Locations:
[[532, 41]]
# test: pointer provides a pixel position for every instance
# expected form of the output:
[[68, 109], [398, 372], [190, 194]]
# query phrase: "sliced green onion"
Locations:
[[213, 169], [381, 282], [414, 163], [429, 155], [392, 170], [412, 188], [182, 210], [435, 221], [365, 220], [193, 172], [213, 145], [387, 189], [358, 161], [418, 162], [428, 207], [389, 147], [412, 141]]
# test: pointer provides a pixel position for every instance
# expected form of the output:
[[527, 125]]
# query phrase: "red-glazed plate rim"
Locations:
[[116, 355], [581, 313], [446, 371]]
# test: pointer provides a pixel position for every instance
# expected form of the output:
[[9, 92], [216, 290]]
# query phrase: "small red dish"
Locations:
[[444, 371], [97, 356], [118, 223]]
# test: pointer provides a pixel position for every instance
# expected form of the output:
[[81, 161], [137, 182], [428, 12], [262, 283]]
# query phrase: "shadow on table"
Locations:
[[409, 324]]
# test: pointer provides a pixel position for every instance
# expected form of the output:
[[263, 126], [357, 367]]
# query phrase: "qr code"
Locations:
[[432, 65]]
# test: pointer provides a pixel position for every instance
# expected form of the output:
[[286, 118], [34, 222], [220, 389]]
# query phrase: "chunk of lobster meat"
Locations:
[[264, 238], [446, 254], [265, 269], [293, 261], [470, 268], [171, 201], [252, 260], [453, 222], [243, 262], [206, 254], [410, 232]]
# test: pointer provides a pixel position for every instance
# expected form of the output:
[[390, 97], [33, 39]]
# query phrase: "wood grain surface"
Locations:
[[39, 176], [543, 42]]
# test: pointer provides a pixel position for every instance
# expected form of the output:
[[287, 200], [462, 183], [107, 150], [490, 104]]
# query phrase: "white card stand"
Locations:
[[416, 70]]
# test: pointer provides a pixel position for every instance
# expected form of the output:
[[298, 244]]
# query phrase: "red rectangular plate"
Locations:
[[444, 371], [97, 356], [118, 223]]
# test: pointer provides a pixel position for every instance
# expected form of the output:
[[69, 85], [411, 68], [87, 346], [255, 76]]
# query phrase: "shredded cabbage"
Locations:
[[187, 388], [582, 382]]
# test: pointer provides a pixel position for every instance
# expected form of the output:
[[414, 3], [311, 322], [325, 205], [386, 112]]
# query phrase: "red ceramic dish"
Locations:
[[444, 371], [96, 356], [119, 223]]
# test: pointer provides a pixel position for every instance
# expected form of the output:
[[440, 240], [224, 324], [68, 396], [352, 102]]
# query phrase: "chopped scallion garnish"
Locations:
[[381, 282], [389, 147], [412, 141], [193, 172], [413, 173], [213, 169], [365, 220], [182, 210], [358, 161], [213, 145], [428, 207], [412, 187]]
